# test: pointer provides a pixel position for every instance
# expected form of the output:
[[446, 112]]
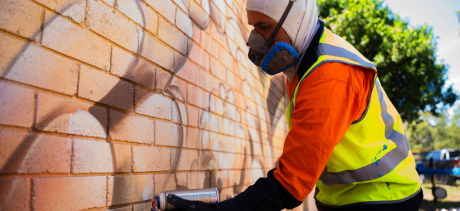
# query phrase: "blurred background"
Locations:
[[416, 47]]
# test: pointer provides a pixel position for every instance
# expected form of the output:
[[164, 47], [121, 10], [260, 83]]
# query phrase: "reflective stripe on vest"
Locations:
[[387, 163], [358, 171]]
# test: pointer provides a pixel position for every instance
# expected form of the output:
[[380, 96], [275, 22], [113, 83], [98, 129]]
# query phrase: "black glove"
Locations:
[[190, 205]]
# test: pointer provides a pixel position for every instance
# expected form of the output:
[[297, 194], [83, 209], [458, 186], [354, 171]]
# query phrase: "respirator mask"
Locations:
[[272, 58]]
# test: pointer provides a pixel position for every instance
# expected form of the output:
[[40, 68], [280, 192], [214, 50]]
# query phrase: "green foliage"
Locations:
[[434, 132], [404, 55], [458, 15]]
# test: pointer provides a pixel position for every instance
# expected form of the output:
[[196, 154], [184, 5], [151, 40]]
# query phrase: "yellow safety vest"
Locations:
[[372, 163]]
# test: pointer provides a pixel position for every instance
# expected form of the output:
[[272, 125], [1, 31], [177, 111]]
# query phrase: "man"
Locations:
[[345, 135]]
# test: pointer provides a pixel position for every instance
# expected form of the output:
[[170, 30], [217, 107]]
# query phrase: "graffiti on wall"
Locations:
[[228, 137]]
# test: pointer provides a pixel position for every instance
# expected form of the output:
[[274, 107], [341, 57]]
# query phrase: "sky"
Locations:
[[441, 15]]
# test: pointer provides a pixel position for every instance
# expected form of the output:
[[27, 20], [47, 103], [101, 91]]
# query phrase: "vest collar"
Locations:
[[310, 56]]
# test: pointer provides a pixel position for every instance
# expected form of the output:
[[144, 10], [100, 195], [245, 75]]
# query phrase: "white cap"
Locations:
[[300, 23]]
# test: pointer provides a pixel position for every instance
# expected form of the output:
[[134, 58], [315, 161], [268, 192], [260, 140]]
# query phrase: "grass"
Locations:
[[451, 201]]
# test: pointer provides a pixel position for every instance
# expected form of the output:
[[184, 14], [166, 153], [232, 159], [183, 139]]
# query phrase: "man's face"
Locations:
[[264, 25]]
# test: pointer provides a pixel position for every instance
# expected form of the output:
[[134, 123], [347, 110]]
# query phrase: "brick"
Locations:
[[228, 126], [13, 52], [129, 208], [177, 89], [193, 140], [101, 87], [205, 42], [196, 33], [186, 69], [217, 15], [221, 5], [132, 128], [169, 134], [139, 13], [214, 48], [205, 6], [256, 174], [172, 36], [91, 157], [205, 142], [234, 177], [39, 67], [216, 105], [166, 8], [205, 80], [30, 153], [151, 159], [142, 207], [215, 123], [48, 154], [163, 80], [71, 193], [218, 142], [198, 55], [65, 37], [217, 69], [227, 160], [125, 65], [219, 179], [165, 182], [21, 17], [184, 159], [179, 113], [197, 97], [170, 85], [204, 120], [218, 34], [232, 112], [231, 16], [230, 32], [232, 80], [198, 180], [100, 157], [236, 145], [70, 8], [128, 189], [226, 58], [193, 116], [156, 52], [152, 104], [17, 105], [199, 15], [15, 194], [56, 114], [184, 23], [209, 160], [227, 193], [183, 4], [112, 25]]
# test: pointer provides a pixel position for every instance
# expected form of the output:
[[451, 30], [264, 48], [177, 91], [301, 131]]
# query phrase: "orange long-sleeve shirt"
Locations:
[[328, 101]]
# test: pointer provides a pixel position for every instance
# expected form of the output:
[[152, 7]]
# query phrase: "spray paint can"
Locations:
[[208, 195]]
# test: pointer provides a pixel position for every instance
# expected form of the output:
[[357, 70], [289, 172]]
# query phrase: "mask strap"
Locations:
[[278, 27]]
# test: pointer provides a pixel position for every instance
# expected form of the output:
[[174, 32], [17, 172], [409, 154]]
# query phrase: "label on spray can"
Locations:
[[209, 195]]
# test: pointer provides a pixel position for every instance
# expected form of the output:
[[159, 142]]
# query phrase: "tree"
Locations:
[[458, 15], [404, 55], [434, 132]]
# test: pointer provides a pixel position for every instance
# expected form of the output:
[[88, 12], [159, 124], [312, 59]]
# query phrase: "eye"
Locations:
[[264, 27]]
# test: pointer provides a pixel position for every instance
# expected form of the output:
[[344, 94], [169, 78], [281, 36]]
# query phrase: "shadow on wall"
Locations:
[[251, 147]]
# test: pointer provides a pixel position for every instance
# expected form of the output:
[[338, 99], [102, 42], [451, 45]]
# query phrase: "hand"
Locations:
[[190, 205]]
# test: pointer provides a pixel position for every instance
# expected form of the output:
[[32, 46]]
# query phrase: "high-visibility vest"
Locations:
[[372, 163]]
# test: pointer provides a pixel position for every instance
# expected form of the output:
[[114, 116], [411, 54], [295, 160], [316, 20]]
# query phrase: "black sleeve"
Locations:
[[266, 194]]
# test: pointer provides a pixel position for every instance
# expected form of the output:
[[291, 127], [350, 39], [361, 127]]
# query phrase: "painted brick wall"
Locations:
[[105, 103]]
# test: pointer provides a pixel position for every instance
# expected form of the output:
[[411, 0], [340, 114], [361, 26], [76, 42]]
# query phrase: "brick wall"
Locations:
[[105, 103]]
